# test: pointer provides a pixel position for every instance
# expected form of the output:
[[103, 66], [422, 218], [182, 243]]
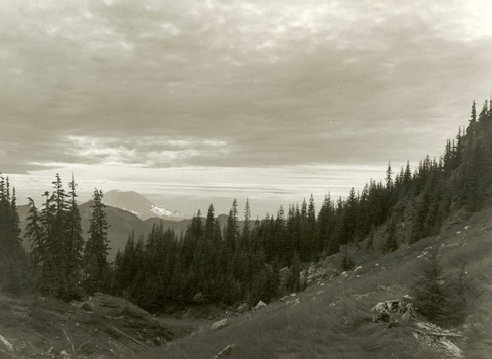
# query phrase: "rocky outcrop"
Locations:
[[242, 308], [438, 340], [260, 305], [394, 312], [399, 312], [319, 271], [220, 324]]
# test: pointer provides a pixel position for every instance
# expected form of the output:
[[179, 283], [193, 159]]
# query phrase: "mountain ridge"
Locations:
[[141, 206], [121, 223]]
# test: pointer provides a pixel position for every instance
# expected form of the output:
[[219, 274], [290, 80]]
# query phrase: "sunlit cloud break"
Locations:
[[144, 151]]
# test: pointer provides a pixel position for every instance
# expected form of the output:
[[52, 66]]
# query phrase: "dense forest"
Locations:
[[242, 261]]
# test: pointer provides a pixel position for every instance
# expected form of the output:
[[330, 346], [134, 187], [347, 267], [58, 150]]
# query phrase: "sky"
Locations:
[[192, 102]]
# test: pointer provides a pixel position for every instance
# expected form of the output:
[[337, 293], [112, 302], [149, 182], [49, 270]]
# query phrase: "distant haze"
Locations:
[[192, 102]]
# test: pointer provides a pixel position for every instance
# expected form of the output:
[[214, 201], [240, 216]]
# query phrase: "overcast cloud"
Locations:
[[162, 87]]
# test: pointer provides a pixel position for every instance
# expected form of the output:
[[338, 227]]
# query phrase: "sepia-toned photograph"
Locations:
[[245, 179]]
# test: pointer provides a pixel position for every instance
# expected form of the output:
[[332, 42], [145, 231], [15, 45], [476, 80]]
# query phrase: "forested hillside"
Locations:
[[210, 264]]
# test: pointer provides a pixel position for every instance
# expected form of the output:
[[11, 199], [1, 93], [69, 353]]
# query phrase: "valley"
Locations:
[[331, 318]]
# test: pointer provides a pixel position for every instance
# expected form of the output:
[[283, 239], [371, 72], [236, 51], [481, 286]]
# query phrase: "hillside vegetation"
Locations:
[[431, 222], [333, 318], [208, 265]]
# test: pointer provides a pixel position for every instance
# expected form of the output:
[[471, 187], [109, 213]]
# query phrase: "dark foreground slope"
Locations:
[[333, 319], [101, 327]]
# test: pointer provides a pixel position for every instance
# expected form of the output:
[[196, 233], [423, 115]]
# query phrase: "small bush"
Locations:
[[347, 262]]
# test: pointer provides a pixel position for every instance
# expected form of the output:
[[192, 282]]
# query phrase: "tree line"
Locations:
[[227, 266], [59, 262], [249, 260]]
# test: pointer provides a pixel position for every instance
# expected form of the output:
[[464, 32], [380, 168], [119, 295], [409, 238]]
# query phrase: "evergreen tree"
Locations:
[[97, 247], [232, 229], [389, 177], [473, 118], [74, 244], [13, 265], [482, 117], [428, 289], [36, 235], [313, 248], [391, 243]]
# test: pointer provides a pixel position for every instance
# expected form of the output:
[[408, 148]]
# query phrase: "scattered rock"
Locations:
[[293, 294], [401, 312], [220, 324], [466, 227], [394, 312], [319, 271], [437, 339], [242, 308], [297, 301], [358, 268], [225, 352], [260, 305], [7, 344]]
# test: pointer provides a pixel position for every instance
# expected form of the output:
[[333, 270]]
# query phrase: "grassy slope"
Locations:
[[334, 320]]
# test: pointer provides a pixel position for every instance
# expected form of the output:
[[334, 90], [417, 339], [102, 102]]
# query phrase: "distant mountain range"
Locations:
[[122, 221], [141, 206]]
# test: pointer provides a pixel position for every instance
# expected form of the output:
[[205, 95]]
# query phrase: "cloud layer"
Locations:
[[252, 84]]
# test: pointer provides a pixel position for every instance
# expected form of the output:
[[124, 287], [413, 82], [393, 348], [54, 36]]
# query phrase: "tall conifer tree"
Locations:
[[97, 247]]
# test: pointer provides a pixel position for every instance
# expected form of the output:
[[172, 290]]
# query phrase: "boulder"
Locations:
[[260, 305], [220, 324], [319, 271], [394, 312], [242, 308]]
